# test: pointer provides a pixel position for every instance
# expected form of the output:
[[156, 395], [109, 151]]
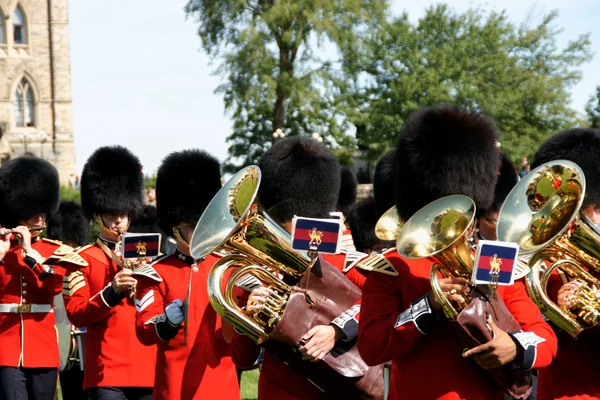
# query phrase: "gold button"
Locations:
[[24, 292], [24, 301], [24, 284]]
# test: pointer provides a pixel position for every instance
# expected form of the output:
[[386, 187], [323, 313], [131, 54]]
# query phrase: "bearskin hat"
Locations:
[[507, 179], [186, 183], [300, 176], [442, 151], [28, 186], [362, 219], [348, 190], [112, 182], [581, 146], [384, 182], [69, 224]]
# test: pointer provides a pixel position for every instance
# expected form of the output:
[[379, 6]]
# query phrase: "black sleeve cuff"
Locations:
[[111, 298], [348, 323], [166, 331], [526, 343], [421, 314], [30, 262]]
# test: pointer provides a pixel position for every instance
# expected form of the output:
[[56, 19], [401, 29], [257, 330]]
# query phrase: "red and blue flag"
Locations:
[[495, 262], [134, 244], [322, 235]]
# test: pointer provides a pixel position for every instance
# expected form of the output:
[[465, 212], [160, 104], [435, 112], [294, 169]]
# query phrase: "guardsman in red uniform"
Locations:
[[28, 347], [575, 373], [300, 177], [195, 364], [116, 364], [443, 151], [70, 225]]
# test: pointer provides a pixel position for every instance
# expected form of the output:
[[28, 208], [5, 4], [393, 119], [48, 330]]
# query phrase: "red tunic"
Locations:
[[113, 356], [277, 381], [203, 369], [430, 366], [20, 284], [575, 372]]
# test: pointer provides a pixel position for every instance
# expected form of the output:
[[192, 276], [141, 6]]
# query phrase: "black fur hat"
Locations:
[[384, 182], [442, 151], [112, 182], [348, 190], [144, 220], [28, 186], [186, 182], [362, 219], [69, 224], [300, 176], [581, 146], [507, 179]]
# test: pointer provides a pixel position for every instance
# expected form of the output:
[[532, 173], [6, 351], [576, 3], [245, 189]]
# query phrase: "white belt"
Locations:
[[25, 308]]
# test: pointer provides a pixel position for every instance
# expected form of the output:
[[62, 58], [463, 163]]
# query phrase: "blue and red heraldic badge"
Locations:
[[314, 234], [495, 263]]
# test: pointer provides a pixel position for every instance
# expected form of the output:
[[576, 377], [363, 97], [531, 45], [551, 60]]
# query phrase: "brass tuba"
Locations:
[[542, 214], [254, 244], [441, 231]]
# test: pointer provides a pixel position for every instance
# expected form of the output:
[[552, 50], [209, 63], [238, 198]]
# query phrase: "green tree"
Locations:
[[592, 109], [517, 75], [271, 55]]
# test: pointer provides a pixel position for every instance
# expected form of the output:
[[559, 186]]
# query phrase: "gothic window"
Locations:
[[18, 20], [24, 105], [1, 28]]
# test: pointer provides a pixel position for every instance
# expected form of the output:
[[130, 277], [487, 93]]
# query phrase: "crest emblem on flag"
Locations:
[[316, 234], [136, 245], [495, 263]]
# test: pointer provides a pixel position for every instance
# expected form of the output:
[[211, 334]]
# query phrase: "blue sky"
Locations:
[[140, 79]]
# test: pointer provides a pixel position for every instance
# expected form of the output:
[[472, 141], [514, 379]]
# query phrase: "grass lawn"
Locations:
[[249, 386]]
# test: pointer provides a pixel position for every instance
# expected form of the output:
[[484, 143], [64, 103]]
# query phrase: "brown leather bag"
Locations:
[[473, 331], [342, 374]]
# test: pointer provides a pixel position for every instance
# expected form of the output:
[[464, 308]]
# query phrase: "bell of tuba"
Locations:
[[441, 230], [389, 225], [542, 215]]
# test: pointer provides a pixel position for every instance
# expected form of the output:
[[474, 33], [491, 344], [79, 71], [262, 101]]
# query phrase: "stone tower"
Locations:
[[35, 83]]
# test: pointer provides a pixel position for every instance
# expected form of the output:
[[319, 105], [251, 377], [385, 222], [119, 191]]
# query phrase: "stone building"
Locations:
[[35, 83]]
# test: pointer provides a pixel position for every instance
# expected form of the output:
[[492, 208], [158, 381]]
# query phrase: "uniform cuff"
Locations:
[[165, 330], [110, 297], [347, 322], [526, 343], [421, 314]]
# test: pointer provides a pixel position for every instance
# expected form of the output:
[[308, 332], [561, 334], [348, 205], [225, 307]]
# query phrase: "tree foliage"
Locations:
[[271, 56], [517, 75], [592, 109]]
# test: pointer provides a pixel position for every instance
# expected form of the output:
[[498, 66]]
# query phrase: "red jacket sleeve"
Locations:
[[539, 341], [386, 329], [151, 323], [45, 277], [83, 307]]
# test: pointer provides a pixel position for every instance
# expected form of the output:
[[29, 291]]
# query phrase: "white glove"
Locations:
[[174, 313]]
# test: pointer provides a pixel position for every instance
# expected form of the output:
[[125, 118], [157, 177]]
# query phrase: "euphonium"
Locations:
[[542, 214], [441, 231], [235, 225], [254, 244]]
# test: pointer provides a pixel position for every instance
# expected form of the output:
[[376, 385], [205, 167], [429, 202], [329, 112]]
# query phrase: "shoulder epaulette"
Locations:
[[352, 259], [74, 258], [521, 269], [57, 242], [377, 262], [148, 271]]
